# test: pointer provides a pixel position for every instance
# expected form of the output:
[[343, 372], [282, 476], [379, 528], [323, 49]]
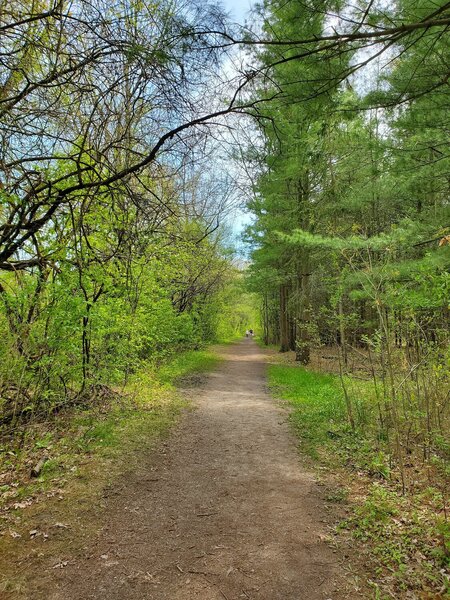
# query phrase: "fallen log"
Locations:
[[36, 470]]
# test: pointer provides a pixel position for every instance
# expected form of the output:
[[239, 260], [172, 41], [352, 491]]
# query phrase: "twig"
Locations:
[[204, 573]]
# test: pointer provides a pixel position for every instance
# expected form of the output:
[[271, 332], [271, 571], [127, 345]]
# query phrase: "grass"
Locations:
[[406, 537], [318, 404], [185, 363]]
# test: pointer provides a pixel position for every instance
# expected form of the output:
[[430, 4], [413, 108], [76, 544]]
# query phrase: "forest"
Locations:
[[132, 133], [351, 233], [110, 253]]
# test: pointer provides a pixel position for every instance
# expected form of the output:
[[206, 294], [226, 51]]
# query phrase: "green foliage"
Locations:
[[380, 505], [238, 311], [317, 401], [351, 210], [115, 302], [111, 250]]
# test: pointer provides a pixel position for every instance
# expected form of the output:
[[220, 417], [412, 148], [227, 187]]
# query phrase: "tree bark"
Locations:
[[284, 319]]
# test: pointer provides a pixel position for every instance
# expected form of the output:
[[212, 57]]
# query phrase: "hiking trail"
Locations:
[[221, 510]]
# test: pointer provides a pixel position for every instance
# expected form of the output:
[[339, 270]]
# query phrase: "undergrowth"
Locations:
[[407, 536]]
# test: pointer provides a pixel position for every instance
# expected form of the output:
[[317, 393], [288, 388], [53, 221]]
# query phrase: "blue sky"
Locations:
[[238, 8]]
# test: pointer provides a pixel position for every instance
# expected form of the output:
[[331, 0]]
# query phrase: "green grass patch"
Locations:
[[186, 363], [317, 401], [320, 418]]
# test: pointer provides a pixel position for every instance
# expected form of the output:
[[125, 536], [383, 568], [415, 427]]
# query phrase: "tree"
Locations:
[[295, 167], [93, 96]]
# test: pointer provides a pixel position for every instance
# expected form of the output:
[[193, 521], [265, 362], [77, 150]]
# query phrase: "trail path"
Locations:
[[223, 511]]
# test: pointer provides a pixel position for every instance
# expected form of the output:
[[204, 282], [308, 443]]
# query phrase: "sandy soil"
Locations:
[[223, 509]]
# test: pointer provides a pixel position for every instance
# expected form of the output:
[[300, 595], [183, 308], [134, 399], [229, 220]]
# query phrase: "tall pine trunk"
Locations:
[[284, 319]]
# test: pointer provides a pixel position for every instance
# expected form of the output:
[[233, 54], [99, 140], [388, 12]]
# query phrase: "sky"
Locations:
[[239, 11], [238, 8]]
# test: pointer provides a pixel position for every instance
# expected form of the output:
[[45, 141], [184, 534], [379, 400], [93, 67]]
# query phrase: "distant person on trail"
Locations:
[[247, 333], [251, 332]]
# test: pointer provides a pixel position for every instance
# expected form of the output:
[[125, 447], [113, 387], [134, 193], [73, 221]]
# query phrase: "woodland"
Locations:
[[351, 230], [110, 253], [131, 132]]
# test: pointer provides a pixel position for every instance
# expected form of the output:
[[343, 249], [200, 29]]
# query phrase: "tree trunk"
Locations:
[[303, 342], [265, 320], [284, 319], [342, 333]]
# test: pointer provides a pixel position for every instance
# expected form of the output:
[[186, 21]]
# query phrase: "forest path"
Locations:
[[222, 510]]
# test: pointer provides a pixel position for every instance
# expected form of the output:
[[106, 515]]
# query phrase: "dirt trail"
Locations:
[[224, 510]]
